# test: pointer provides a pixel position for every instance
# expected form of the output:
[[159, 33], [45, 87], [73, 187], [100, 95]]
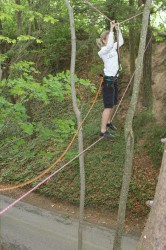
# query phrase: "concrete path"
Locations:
[[26, 227]]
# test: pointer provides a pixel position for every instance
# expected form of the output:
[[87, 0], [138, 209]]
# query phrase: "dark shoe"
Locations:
[[111, 126], [107, 135]]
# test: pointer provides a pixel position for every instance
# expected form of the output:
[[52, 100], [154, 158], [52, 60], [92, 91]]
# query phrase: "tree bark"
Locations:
[[0, 72], [79, 120], [19, 19], [132, 45], [129, 135], [147, 73], [0, 51], [154, 234]]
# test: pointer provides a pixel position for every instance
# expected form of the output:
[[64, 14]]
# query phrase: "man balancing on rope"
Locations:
[[108, 53]]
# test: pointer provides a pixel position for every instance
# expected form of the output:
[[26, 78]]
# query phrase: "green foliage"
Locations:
[[11, 113], [23, 84], [27, 136], [27, 38], [158, 20], [154, 146], [65, 126], [23, 67], [143, 118], [152, 137], [7, 39], [20, 38], [27, 128]]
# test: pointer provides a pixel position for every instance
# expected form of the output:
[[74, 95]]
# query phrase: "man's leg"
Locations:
[[109, 124], [108, 94], [110, 116], [107, 113], [105, 116]]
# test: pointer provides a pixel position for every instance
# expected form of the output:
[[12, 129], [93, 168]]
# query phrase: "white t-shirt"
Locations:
[[109, 55]]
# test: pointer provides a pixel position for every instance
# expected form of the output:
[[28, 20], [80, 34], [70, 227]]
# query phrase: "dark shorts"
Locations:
[[110, 92]]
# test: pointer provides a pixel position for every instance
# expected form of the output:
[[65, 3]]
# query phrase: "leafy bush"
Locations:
[[30, 129]]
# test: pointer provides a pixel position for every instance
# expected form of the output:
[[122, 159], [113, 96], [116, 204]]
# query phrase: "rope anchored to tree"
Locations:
[[93, 7]]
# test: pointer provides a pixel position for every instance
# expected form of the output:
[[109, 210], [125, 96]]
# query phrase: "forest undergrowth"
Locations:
[[25, 155], [103, 163]]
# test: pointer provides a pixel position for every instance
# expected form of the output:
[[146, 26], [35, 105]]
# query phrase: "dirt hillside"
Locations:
[[158, 79]]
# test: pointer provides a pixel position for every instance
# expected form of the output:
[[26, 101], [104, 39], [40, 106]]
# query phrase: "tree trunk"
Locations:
[[30, 23], [129, 136], [19, 19], [0, 50], [0, 72], [154, 234], [132, 45], [79, 120], [147, 73]]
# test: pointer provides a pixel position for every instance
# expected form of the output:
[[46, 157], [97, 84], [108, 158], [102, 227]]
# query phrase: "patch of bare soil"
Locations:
[[158, 80]]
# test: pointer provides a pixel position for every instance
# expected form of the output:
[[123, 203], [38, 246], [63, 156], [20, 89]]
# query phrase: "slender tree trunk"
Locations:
[[154, 234], [35, 6], [132, 45], [147, 73], [19, 32], [19, 19], [0, 50], [79, 120], [30, 23], [0, 202], [129, 136], [0, 72]]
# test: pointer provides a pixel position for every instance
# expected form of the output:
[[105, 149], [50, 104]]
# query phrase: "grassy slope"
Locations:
[[103, 163]]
